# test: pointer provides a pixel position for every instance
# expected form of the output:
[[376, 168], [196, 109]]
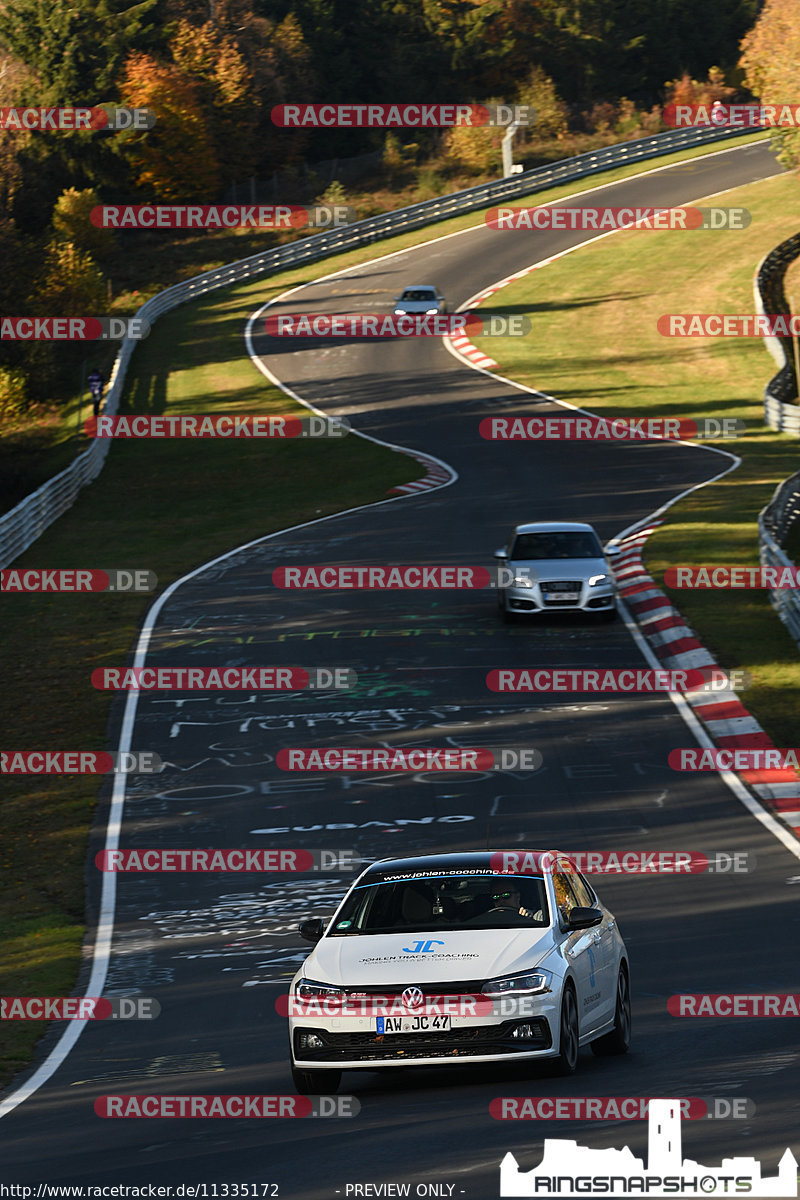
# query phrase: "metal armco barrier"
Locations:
[[781, 411], [25, 523], [774, 523]]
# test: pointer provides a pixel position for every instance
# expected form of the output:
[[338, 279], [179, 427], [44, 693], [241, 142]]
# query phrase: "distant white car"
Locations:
[[445, 959], [556, 566], [420, 298]]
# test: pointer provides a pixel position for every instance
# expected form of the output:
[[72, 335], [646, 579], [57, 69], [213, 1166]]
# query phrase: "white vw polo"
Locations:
[[474, 957]]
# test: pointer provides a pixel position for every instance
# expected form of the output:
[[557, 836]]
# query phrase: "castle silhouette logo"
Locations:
[[568, 1170]]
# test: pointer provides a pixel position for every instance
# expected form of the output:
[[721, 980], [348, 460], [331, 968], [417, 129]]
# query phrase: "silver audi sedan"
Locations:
[[555, 566]]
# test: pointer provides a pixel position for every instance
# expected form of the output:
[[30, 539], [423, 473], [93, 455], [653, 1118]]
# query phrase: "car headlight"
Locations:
[[431, 310], [399, 312], [522, 581], [307, 989], [517, 985], [594, 580]]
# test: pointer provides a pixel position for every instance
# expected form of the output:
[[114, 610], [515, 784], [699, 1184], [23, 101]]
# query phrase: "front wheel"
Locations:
[[619, 1039], [567, 1059], [315, 1083]]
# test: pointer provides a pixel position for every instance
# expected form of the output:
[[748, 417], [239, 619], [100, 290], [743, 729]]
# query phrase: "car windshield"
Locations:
[[420, 903], [574, 544], [418, 294]]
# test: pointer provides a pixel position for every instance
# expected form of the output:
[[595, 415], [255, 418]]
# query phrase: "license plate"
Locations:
[[411, 1024], [563, 596]]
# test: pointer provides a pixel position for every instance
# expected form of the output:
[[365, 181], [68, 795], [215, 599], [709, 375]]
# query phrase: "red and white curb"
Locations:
[[437, 474], [461, 346], [466, 349], [725, 718]]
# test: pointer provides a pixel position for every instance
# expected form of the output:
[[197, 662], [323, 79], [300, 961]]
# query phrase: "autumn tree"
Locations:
[[72, 223], [223, 86], [770, 55], [174, 161]]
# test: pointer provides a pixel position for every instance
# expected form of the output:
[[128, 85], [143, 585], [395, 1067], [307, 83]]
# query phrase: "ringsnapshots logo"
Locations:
[[108, 117], [217, 425], [228, 861], [222, 216], [569, 1171], [414, 759], [596, 429], [400, 116], [397, 325], [543, 680], [72, 329], [223, 679], [605, 219], [116, 579]]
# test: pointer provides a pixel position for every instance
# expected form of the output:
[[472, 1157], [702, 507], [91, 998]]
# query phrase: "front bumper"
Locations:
[[539, 600], [515, 1030]]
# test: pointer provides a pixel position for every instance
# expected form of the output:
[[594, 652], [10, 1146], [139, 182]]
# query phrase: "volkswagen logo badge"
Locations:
[[412, 997]]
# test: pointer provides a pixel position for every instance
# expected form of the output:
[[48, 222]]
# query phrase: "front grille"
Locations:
[[562, 585], [449, 1043]]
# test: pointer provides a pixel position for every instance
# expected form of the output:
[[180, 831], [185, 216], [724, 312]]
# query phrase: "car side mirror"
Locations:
[[501, 554], [584, 918], [312, 930], [612, 550]]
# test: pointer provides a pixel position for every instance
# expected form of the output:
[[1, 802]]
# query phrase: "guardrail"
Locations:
[[774, 523], [781, 410], [23, 524]]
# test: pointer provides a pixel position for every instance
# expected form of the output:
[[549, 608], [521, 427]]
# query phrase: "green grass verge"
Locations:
[[594, 343]]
